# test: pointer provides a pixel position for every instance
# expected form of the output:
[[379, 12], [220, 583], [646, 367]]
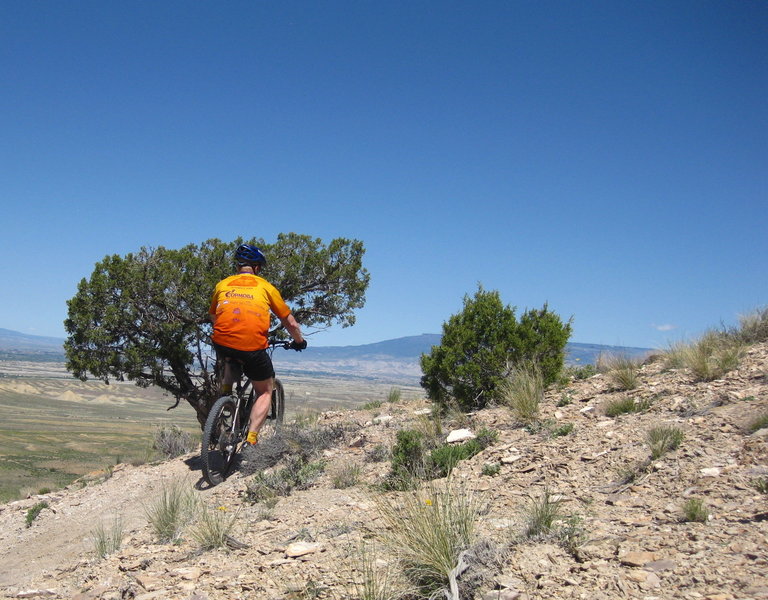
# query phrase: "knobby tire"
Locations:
[[217, 460]]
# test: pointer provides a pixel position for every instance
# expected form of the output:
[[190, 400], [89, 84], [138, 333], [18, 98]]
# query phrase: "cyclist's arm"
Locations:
[[292, 325]]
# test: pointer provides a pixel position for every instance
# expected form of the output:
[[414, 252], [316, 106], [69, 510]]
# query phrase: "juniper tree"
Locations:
[[141, 316]]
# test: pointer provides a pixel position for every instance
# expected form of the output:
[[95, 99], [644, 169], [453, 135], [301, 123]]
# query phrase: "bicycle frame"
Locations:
[[227, 424]]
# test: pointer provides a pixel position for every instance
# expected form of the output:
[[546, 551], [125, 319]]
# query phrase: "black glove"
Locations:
[[298, 346]]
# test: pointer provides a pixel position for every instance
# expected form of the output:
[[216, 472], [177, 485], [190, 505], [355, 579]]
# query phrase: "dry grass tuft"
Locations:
[[663, 439], [428, 530], [710, 357], [171, 512], [622, 370], [523, 392], [107, 540]]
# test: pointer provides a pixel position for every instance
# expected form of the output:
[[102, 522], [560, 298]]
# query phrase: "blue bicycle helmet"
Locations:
[[249, 255]]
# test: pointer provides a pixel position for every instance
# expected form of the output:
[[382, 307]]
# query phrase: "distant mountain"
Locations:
[[412, 347], [404, 347], [396, 359], [23, 346]]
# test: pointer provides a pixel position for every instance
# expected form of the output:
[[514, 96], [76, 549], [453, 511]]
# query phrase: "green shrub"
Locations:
[[373, 404], [416, 457], [491, 469], [486, 437], [408, 459], [442, 460], [479, 345], [663, 439], [761, 485], [564, 429], [34, 512]]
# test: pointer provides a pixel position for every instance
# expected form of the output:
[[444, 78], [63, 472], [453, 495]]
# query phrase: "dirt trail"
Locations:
[[61, 535]]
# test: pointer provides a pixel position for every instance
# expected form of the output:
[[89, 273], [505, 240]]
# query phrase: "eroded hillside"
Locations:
[[621, 533]]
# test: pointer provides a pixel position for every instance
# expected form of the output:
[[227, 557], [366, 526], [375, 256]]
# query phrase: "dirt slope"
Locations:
[[634, 545]]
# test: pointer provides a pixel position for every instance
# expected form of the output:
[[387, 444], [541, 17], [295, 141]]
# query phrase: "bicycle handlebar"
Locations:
[[275, 343]]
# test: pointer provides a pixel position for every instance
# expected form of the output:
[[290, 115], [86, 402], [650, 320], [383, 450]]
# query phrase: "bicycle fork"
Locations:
[[232, 436]]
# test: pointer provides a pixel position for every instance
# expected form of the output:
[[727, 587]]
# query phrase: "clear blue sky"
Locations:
[[610, 158]]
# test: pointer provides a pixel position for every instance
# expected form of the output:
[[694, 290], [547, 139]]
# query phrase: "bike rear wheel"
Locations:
[[221, 439], [278, 402]]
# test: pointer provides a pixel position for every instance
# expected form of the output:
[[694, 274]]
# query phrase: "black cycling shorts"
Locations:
[[257, 365]]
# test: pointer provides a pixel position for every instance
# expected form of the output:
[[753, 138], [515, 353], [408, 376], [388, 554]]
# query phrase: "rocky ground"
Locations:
[[627, 539]]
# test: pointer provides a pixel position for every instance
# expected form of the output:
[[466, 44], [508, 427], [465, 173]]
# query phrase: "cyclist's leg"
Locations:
[[260, 409], [259, 370]]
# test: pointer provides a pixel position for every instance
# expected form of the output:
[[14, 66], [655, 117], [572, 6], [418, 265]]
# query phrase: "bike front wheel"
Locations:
[[221, 438], [278, 402]]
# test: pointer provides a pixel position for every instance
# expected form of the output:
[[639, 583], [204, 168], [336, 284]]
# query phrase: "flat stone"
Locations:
[[149, 582], [637, 576], [651, 581], [460, 435], [661, 565], [423, 411], [710, 472], [300, 549], [508, 460], [383, 419], [188, 573]]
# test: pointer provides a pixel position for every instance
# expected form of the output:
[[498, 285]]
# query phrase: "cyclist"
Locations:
[[239, 311]]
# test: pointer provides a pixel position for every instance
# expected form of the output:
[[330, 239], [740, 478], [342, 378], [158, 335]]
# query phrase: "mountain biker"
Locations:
[[239, 311]]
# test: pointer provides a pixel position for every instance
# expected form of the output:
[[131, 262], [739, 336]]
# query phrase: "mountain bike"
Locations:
[[227, 424]]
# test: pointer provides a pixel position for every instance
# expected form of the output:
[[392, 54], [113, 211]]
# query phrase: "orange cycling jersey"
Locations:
[[241, 304]]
